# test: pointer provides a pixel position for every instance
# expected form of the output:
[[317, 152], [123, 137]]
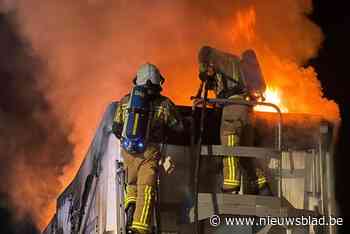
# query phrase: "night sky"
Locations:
[[332, 66]]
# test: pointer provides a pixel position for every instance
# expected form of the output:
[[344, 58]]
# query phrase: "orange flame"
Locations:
[[122, 35], [245, 25], [290, 86], [272, 95]]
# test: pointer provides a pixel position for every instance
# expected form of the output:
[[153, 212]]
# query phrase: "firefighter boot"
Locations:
[[129, 215]]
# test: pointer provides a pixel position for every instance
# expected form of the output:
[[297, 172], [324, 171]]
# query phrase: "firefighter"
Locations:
[[236, 128], [142, 166]]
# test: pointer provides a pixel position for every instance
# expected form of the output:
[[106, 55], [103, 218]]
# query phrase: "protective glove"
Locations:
[[168, 165]]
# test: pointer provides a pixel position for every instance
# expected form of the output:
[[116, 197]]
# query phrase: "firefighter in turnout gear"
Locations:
[[224, 73], [142, 153]]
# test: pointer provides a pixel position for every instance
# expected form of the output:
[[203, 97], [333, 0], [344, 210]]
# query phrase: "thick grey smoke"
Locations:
[[33, 144]]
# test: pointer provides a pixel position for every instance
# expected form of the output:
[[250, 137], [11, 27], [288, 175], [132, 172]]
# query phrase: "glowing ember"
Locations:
[[271, 95]]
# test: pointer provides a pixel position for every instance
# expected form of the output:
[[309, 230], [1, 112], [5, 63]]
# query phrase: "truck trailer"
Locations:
[[297, 151]]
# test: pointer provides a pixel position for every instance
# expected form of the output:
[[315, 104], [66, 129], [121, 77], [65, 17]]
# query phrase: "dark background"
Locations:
[[332, 65]]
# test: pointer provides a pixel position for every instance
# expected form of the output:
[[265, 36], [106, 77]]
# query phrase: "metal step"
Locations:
[[206, 228], [251, 205], [232, 205], [240, 151], [247, 205]]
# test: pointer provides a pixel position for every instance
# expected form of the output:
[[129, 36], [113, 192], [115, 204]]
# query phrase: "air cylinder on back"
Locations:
[[135, 127]]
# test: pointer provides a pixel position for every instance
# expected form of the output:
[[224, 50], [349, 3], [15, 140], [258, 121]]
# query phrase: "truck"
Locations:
[[297, 150]]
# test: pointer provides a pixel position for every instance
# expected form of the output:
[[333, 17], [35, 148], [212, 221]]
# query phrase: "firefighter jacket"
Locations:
[[164, 117]]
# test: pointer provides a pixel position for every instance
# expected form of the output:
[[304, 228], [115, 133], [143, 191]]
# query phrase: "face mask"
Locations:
[[152, 89]]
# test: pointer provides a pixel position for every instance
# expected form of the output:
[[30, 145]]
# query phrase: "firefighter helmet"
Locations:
[[148, 74]]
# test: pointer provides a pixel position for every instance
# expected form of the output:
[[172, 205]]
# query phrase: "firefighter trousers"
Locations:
[[236, 129], [141, 172]]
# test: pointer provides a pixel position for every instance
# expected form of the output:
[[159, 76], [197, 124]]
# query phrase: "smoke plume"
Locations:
[[34, 145], [92, 49]]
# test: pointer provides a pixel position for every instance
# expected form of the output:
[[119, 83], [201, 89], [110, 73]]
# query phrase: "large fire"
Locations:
[[292, 87], [93, 49]]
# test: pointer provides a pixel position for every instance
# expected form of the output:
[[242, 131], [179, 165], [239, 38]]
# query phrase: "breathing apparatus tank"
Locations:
[[136, 127], [134, 135]]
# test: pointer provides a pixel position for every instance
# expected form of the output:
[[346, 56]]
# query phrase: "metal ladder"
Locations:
[[121, 216]]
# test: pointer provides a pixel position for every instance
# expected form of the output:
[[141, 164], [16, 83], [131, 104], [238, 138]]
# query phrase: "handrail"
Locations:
[[249, 103], [223, 101]]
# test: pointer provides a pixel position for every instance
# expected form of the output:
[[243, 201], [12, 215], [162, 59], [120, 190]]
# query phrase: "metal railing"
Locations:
[[224, 102]]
